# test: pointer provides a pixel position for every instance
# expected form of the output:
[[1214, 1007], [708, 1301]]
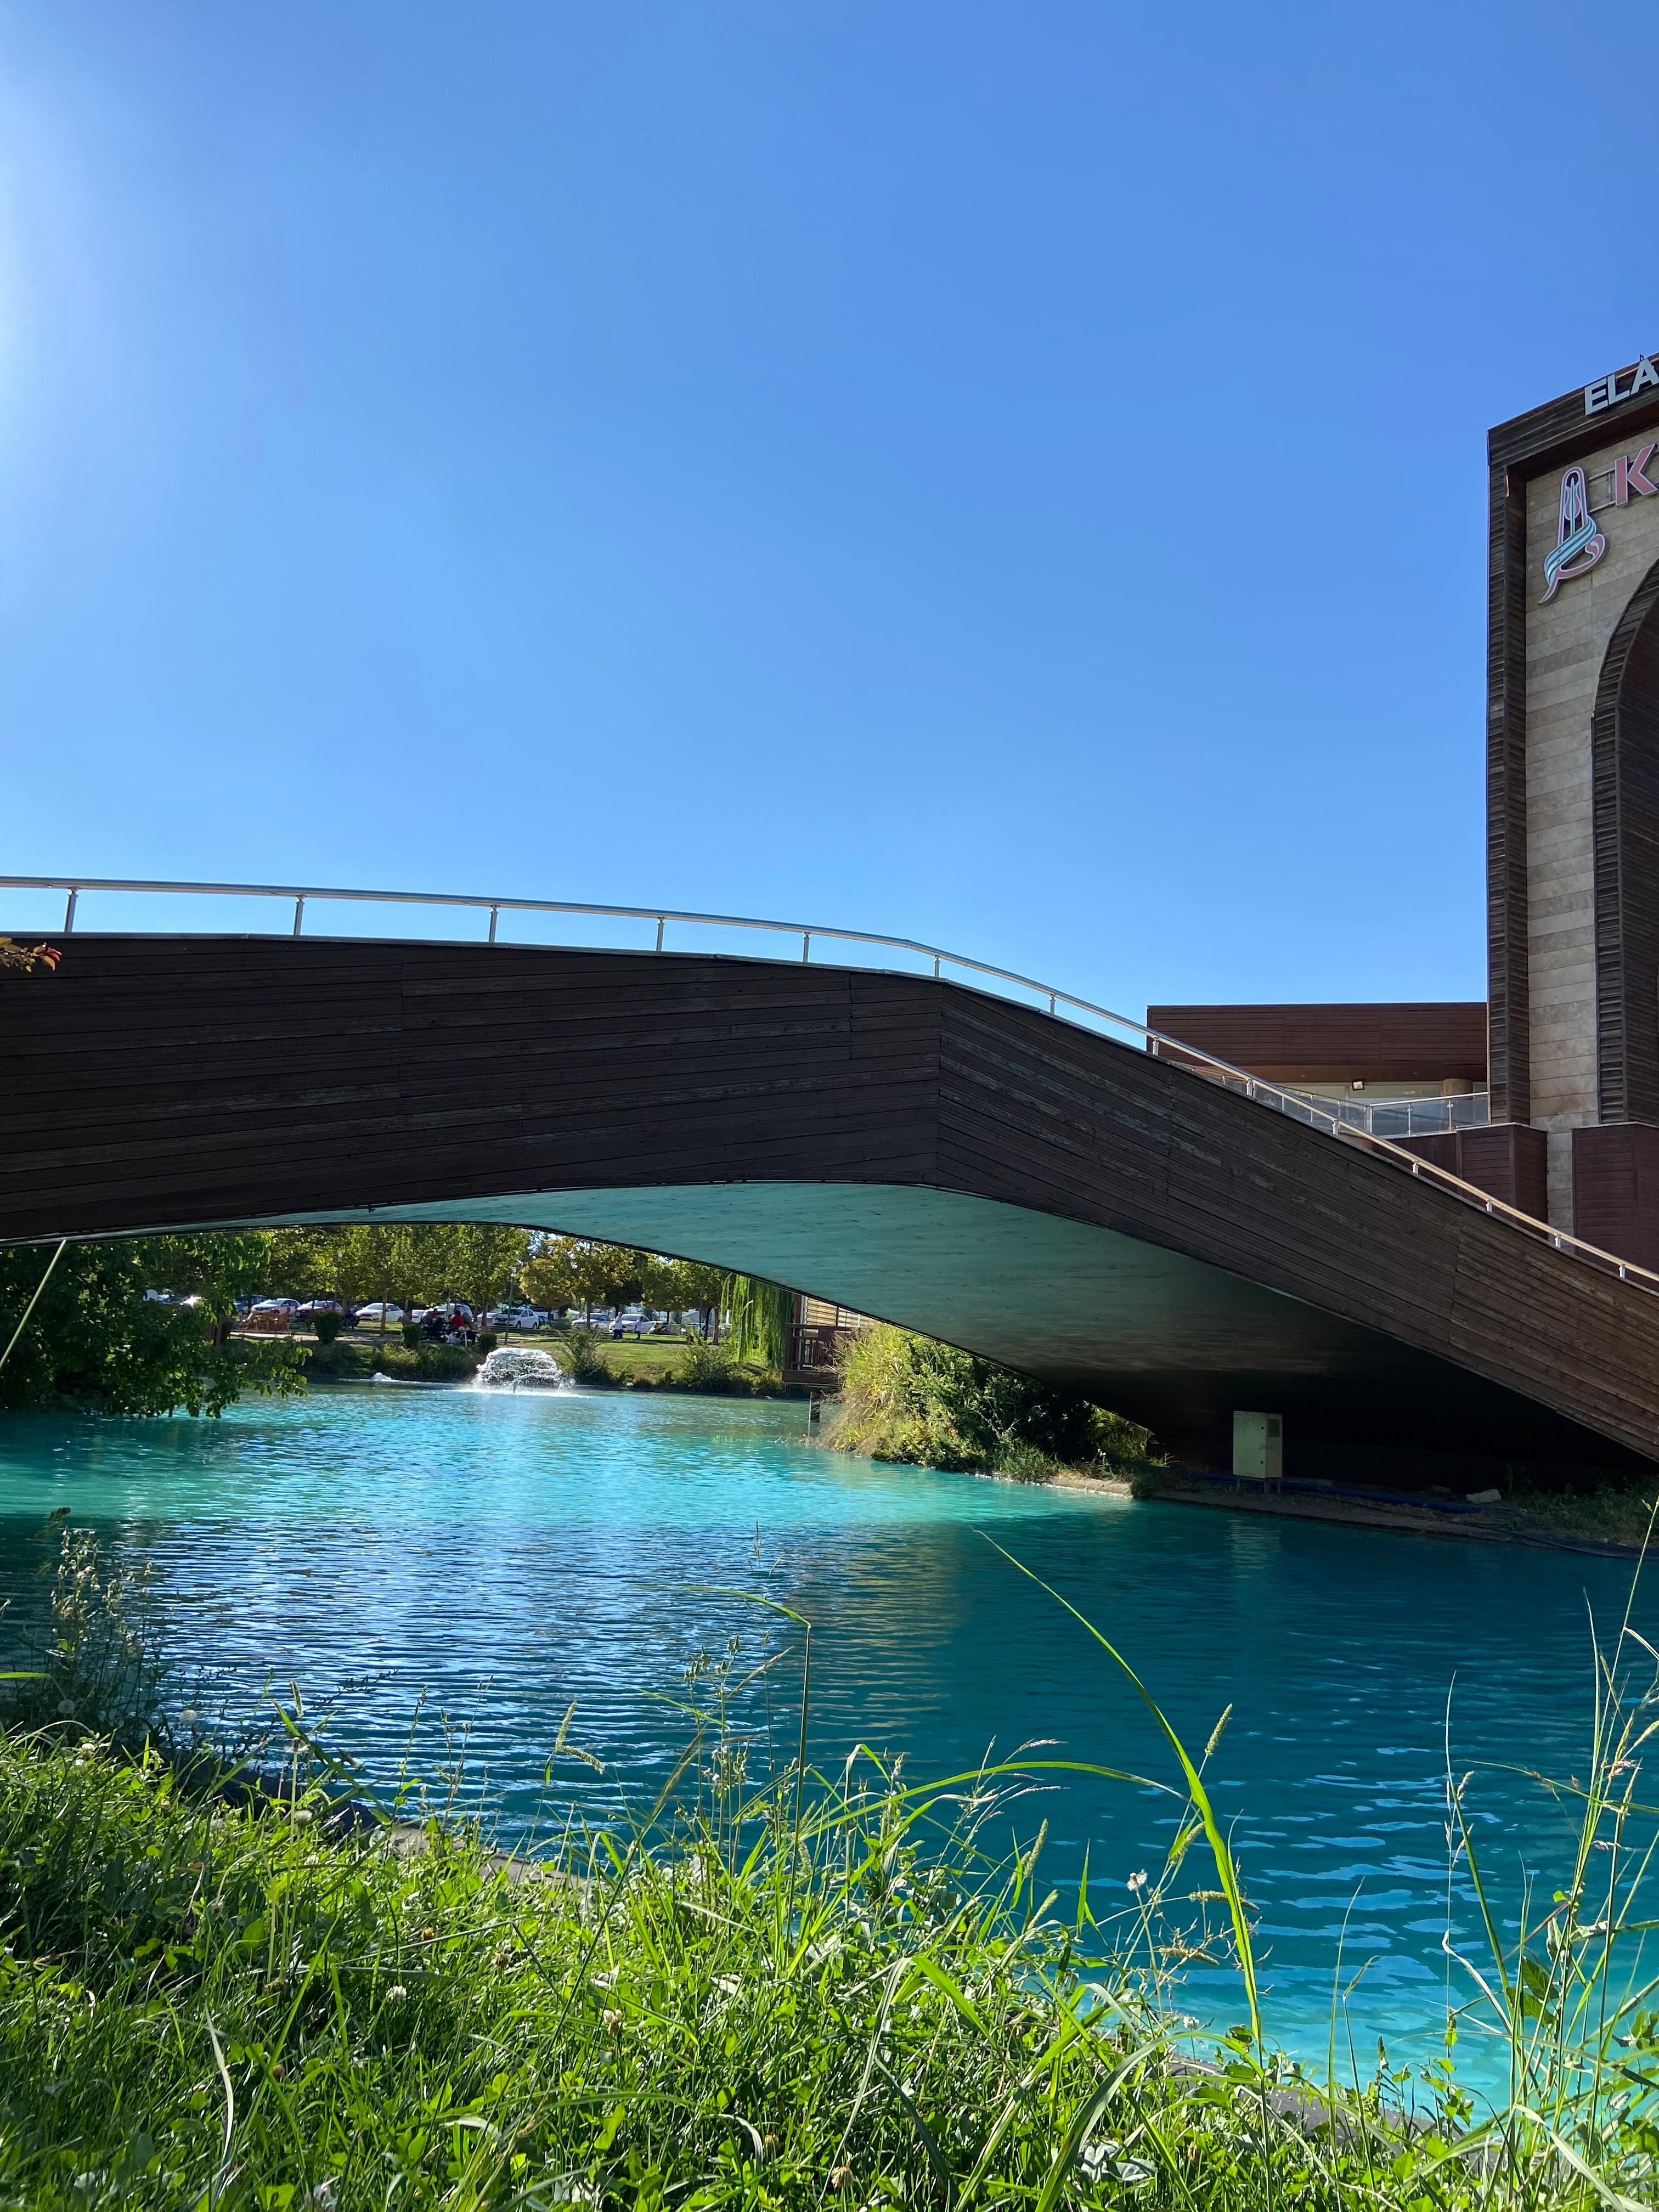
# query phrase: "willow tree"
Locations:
[[763, 1314]]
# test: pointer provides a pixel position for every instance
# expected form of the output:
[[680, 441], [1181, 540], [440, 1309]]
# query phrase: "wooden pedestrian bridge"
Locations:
[[876, 1122]]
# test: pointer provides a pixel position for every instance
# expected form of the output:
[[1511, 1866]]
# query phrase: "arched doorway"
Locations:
[[1625, 773]]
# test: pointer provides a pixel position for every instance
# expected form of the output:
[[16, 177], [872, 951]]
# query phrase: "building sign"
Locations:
[[1579, 543], [1605, 393]]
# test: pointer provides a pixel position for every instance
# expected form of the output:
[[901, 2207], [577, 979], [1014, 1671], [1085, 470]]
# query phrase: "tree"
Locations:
[[484, 1260], [549, 1276], [579, 1271], [763, 1314], [94, 1338], [685, 1286]]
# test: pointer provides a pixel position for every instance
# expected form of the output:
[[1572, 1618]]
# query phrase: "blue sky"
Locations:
[[1008, 476]]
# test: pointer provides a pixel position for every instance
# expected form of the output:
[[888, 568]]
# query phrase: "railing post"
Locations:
[[806, 944], [495, 916], [1051, 1002], [299, 912], [936, 967], [69, 913], [662, 923]]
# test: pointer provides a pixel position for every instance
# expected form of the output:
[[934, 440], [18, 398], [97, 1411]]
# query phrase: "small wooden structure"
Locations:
[[817, 1339]]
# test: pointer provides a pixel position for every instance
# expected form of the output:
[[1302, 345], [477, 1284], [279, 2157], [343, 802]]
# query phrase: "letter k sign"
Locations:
[[1629, 476]]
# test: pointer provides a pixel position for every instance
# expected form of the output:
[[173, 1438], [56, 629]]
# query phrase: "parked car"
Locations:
[[634, 1321], [371, 1316], [525, 1319], [272, 1313], [317, 1305]]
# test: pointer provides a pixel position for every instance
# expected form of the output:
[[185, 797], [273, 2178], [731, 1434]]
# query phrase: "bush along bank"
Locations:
[[908, 1397], [774, 1989], [353, 1360], [698, 1365]]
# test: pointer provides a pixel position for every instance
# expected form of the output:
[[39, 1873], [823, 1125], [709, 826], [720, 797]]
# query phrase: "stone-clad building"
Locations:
[[1573, 802]]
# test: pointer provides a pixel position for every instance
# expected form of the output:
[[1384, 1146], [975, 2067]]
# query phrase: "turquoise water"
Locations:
[[500, 1555]]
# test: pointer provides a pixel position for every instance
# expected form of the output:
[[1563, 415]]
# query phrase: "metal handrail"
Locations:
[[1298, 1106]]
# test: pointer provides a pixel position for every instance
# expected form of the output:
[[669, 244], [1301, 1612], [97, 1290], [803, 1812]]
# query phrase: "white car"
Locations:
[[634, 1321], [372, 1317]]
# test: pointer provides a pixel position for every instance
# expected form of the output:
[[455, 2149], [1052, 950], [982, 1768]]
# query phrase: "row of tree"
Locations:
[[421, 1263], [98, 1335]]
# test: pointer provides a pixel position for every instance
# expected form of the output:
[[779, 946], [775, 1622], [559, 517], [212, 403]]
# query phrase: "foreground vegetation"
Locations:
[[772, 1989], [907, 1398]]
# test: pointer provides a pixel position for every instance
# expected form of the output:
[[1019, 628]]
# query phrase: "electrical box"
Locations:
[[1258, 1447]]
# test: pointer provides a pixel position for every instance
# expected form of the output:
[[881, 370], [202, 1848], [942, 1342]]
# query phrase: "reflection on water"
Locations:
[[505, 1554]]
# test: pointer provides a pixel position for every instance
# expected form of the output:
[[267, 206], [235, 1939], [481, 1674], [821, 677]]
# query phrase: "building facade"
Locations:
[[1573, 800]]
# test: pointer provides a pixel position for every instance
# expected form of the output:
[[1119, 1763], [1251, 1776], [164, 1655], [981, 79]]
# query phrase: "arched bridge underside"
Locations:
[[914, 1149]]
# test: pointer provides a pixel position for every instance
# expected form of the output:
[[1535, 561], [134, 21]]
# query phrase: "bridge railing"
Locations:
[[1334, 1118]]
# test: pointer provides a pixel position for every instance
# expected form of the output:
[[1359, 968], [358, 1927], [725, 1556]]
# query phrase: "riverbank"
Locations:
[[244, 2004], [1607, 1524], [647, 1365]]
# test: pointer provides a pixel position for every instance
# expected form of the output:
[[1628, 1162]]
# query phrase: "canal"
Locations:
[[445, 1573]]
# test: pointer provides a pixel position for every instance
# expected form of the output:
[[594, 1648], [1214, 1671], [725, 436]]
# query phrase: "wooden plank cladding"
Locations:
[[913, 1149], [1384, 1044], [1615, 1189], [1508, 1161]]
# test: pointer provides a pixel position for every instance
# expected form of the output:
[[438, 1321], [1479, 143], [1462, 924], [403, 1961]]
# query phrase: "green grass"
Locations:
[[650, 1356], [768, 1990], [665, 1364]]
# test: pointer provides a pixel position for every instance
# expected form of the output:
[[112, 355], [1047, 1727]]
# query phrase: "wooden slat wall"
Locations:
[[1507, 980], [1402, 1042], [1615, 1189], [158, 1081], [1509, 1160]]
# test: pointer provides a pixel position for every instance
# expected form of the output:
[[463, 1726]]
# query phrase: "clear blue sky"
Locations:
[[1012, 475]]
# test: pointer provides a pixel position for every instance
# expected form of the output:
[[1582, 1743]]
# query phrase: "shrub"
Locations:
[[907, 1398], [413, 1339], [585, 1361], [487, 1340], [704, 1365], [326, 1325]]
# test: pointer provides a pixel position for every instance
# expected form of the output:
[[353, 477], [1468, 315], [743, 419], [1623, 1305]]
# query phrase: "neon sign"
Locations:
[[1579, 544]]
